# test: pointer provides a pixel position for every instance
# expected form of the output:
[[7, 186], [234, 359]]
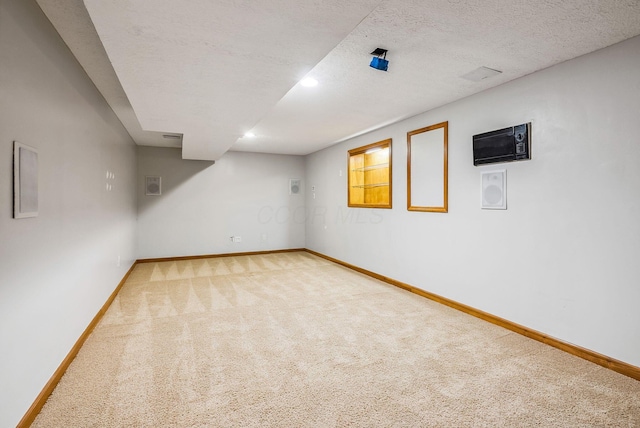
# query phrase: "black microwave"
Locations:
[[503, 145]]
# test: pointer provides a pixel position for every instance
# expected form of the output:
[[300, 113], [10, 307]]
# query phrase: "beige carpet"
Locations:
[[291, 340]]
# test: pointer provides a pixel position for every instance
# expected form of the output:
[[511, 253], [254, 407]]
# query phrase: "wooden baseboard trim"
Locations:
[[587, 354], [211, 256], [41, 399]]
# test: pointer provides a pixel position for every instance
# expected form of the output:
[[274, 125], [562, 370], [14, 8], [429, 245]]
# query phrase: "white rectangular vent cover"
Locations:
[[481, 73]]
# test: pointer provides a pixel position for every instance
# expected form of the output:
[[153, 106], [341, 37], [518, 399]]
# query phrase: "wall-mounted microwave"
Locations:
[[503, 145]]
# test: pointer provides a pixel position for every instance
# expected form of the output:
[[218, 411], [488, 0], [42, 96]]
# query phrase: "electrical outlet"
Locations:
[[237, 239]]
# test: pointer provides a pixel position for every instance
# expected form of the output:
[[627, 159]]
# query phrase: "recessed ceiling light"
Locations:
[[249, 134], [309, 82]]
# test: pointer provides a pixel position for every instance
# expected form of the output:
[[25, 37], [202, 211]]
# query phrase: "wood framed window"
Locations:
[[369, 178]]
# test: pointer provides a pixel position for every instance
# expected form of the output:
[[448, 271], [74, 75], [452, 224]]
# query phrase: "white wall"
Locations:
[[58, 269], [564, 258], [203, 204]]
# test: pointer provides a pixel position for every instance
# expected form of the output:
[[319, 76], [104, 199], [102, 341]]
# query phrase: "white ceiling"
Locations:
[[213, 70]]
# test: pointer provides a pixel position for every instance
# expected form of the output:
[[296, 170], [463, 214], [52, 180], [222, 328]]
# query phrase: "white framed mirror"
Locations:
[[427, 168]]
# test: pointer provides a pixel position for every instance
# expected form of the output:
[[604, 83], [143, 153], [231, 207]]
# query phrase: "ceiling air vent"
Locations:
[[481, 73]]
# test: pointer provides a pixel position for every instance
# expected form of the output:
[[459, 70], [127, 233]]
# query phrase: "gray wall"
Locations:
[[203, 204], [563, 259], [56, 270]]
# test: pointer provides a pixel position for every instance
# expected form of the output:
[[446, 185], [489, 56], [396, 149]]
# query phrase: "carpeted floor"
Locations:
[[291, 340]]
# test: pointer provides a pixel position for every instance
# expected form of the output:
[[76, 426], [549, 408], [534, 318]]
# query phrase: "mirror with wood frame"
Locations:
[[427, 168]]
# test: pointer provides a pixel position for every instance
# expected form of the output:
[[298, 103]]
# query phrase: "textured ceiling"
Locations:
[[212, 70]]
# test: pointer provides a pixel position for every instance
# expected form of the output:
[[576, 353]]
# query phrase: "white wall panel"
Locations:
[[563, 258], [203, 204], [56, 269]]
